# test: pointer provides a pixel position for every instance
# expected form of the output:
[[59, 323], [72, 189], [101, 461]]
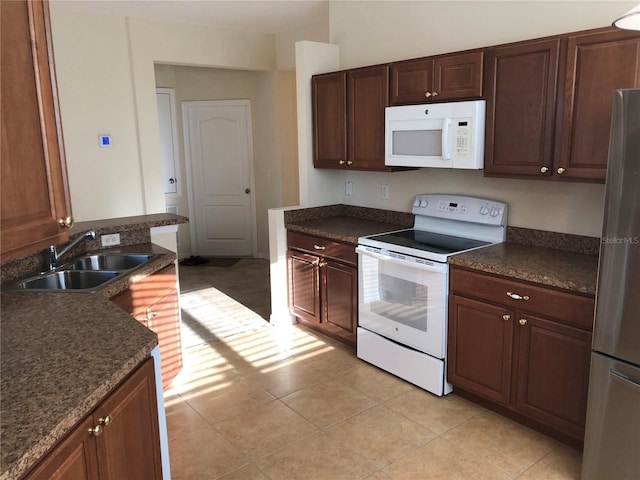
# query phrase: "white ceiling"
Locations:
[[264, 16]]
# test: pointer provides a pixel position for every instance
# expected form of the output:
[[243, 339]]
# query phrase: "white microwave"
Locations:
[[440, 135]]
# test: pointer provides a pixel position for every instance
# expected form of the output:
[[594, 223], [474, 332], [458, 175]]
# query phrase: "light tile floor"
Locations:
[[287, 403]]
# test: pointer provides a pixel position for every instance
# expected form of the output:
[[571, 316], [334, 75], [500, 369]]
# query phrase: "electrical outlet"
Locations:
[[110, 240], [348, 189], [385, 191]]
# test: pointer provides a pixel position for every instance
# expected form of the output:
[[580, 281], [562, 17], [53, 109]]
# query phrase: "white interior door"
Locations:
[[219, 154], [165, 98]]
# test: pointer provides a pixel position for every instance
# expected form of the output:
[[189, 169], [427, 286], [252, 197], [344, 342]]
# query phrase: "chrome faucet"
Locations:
[[54, 256]]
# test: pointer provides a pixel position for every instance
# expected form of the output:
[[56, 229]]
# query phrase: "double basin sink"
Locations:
[[87, 273]]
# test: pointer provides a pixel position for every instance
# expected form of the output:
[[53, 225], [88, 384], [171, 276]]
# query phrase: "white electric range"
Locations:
[[403, 284]]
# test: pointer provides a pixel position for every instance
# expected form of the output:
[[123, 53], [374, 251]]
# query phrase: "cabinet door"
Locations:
[[73, 459], [521, 91], [304, 286], [553, 373], [129, 447], [329, 120], [457, 77], [153, 301], [480, 348], [163, 319], [33, 180], [411, 81], [367, 97], [597, 64], [340, 300]]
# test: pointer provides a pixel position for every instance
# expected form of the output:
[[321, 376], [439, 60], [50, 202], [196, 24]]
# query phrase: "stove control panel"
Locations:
[[461, 207]]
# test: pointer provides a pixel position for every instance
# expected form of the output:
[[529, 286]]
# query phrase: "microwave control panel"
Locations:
[[463, 129]]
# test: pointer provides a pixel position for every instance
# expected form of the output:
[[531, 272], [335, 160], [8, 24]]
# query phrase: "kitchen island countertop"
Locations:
[[62, 353]]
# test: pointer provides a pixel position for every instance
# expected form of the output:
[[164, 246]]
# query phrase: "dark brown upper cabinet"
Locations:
[[597, 64], [329, 93], [521, 85], [438, 78], [36, 207], [348, 118], [549, 103]]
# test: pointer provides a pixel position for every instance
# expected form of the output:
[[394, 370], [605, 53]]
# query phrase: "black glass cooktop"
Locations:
[[428, 241]]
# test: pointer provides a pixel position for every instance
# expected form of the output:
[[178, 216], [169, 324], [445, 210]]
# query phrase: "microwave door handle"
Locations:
[[446, 154]]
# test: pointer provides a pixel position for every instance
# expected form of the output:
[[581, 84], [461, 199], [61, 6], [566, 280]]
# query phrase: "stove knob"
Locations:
[[423, 203], [416, 203], [484, 210], [495, 212]]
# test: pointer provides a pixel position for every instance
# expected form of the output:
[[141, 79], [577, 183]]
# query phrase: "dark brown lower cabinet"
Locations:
[[523, 349], [119, 439], [323, 285], [153, 301]]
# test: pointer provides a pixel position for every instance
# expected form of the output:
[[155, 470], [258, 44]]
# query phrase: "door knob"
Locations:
[[561, 171], [522, 322], [247, 190], [544, 169], [172, 181]]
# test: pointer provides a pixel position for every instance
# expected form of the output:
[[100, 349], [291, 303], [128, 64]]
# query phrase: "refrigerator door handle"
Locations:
[[626, 379]]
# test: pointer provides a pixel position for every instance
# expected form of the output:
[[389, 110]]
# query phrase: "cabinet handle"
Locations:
[[544, 169], [435, 94], [322, 264], [319, 247], [341, 162], [506, 317], [172, 181], [104, 421], [96, 431], [349, 162], [154, 314], [561, 171], [66, 222], [427, 94], [522, 322], [515, 296]]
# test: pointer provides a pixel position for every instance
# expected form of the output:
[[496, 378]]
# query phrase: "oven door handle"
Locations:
[[438, 267]]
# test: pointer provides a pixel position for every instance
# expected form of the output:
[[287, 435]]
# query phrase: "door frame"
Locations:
[[186, 106]]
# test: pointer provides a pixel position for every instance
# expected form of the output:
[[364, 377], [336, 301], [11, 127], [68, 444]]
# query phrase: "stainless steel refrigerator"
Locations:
[[612, 437]]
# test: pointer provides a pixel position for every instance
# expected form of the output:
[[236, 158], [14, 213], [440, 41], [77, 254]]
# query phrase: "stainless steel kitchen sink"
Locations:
[[108, 261], [68, 280], [88, 273]]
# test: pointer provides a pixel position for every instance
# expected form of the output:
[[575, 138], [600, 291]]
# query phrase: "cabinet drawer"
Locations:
[[571, 308], [322, 247]]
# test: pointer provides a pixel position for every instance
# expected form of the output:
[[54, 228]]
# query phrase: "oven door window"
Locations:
[[404, 301]]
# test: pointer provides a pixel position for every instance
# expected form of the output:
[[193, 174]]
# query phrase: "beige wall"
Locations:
[[370, 32], [97, 97], [262, 88], [106, 77]]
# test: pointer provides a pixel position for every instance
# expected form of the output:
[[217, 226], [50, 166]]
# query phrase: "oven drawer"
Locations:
[[571, 308], [322, 247]]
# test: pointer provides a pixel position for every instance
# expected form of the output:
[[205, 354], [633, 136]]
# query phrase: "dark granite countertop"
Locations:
[[554, 259], [572, 271], [345, 223], [61, 354], [344, 229]]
